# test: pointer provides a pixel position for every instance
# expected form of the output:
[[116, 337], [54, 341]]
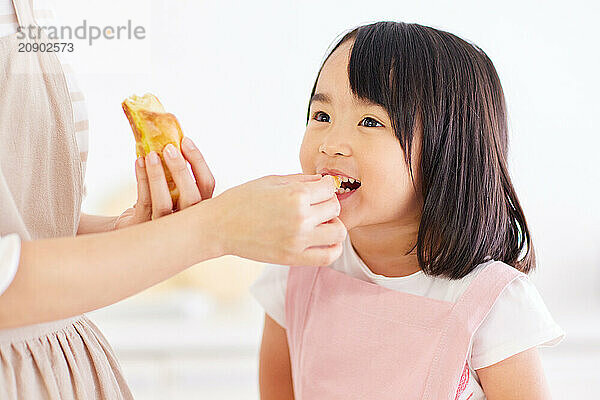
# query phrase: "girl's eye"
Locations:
[[321, 116], [370, 123]]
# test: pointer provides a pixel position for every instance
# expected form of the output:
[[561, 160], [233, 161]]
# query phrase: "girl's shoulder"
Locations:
[[457, 287], [419, 283], [451, 290], [518, 308]]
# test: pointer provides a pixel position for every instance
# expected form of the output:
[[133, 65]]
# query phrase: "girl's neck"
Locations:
[[383, 247]]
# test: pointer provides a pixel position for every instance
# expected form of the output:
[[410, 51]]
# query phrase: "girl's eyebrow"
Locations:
[[325, 98], [322, 97]]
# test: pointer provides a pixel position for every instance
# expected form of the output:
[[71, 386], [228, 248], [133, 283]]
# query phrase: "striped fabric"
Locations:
[[45, 17]]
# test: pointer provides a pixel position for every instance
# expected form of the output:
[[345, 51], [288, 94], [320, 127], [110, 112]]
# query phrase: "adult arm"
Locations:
[[95, 224], [59, 278], [290, 220]]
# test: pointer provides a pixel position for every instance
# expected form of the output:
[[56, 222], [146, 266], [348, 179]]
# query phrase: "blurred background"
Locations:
[[238, 76]]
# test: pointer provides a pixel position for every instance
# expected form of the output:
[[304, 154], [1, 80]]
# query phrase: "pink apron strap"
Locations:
[[467, 315], [300, 283]]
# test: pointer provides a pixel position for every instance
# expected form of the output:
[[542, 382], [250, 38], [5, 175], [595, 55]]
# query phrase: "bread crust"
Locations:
[[153, 129]]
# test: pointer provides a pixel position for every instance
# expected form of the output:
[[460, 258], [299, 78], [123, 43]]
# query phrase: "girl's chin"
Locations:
[[350, 210]]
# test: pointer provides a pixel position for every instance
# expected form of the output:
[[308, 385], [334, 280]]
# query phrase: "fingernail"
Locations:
[[170, 151], [188, 144], [140, 162], [153, 158]]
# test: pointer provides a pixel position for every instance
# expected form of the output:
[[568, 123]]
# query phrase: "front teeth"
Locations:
[[341, 179]]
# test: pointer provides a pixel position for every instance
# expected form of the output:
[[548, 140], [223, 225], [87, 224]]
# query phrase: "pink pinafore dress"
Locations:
[[351, 339]]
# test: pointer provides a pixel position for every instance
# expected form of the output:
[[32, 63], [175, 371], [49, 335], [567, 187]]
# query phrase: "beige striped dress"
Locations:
[[41, 182]]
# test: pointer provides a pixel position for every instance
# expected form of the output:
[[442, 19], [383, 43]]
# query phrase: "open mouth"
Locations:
[[345, 184]]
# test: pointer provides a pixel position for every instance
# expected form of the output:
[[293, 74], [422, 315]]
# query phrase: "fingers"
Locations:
[[188, 191], [143, 206], [204, 178], [324, 211], [299, 178], [321, 256], [320, 190], [159, 191], [328, 233]]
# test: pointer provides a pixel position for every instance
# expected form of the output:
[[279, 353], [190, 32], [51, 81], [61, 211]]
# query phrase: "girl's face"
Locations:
[[354, 140]]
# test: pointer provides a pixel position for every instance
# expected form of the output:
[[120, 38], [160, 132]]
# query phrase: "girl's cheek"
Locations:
[[308, 154], [304, 161]]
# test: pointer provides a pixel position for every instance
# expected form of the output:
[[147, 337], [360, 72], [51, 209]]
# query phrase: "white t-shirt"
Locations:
[[10, 245], [518, 309]]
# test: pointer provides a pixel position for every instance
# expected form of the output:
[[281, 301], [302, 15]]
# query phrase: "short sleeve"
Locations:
[[10, 251], [518, 321], [269, 290]]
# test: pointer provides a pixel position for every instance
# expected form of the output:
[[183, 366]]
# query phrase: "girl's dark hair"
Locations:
[[432, 79]]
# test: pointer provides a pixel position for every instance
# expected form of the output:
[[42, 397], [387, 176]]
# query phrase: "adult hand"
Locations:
[[291, 220], [154, 199]]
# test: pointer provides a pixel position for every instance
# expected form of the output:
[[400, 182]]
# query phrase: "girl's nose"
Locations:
[[335, 145], [334, 150]]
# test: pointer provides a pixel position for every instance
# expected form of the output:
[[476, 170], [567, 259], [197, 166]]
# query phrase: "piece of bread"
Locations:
[[153, 129], [337, 181]]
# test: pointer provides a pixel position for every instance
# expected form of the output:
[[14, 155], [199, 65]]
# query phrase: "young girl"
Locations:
[[430, 298]]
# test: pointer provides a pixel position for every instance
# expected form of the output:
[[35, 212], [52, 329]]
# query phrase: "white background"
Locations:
[[238, 76]]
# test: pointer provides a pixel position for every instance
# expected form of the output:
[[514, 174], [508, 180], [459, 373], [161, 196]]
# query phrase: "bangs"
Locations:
[[372, 59], [382, 71]]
